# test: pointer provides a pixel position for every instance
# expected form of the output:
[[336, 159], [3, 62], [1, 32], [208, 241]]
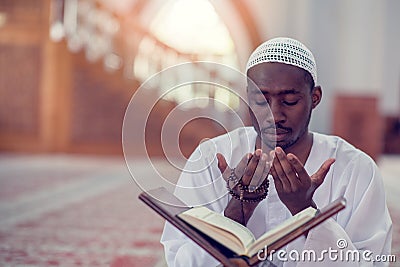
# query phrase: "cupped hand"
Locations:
[[252, 170], [293, 184]]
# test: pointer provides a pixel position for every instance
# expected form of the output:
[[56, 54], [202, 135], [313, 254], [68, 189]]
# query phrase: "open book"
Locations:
[[237, 237], [223, 238]]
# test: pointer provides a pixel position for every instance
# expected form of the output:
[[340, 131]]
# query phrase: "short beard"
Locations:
[[291, 142]]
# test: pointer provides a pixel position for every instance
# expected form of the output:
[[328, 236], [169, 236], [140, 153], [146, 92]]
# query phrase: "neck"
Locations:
[[302, 148]]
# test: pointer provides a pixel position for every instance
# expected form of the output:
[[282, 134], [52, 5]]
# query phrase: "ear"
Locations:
[[316, 96]]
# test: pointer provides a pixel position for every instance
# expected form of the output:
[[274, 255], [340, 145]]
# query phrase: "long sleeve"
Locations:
[[198, 185], [360, 232], [201, 183], [180, 251]]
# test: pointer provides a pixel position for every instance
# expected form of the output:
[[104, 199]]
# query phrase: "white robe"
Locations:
[[365, 223]]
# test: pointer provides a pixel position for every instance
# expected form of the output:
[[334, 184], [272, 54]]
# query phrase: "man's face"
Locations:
[[288, 93]]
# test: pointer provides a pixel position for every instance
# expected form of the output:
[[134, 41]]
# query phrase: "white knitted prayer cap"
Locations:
[[284, 50]]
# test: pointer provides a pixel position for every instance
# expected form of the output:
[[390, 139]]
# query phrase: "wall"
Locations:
[[355, 44]]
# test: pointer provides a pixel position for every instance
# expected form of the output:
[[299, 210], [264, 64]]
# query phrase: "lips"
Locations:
[[278, 135]]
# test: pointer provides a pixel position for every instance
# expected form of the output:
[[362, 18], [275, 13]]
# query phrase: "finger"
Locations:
[[290, 174], [251, 167], [318, 177], [277, 181], [299, 168], [268, 163], [259, 173], [222, 165], [281, 174], [241, 167]]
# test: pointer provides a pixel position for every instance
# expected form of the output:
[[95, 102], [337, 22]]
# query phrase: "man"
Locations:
[[308, 169]]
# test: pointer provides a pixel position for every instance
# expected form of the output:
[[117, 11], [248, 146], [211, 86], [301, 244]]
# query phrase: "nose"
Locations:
[[277, 112]]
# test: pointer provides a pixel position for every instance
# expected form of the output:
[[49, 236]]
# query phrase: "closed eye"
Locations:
[[262, 102], [289, 103]]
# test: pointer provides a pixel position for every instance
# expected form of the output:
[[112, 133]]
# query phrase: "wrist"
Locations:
[[234, 211], [298, 208], [239, 211]]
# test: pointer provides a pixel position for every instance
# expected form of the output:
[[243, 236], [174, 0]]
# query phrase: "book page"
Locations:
[[215, 219], [283, 229]]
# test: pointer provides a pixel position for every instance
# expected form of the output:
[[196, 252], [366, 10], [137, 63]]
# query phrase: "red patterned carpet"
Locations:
[[74, 211]]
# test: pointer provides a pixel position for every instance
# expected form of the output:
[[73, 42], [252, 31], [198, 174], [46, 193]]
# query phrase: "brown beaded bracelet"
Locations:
[[264, 186], [248, 200]]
